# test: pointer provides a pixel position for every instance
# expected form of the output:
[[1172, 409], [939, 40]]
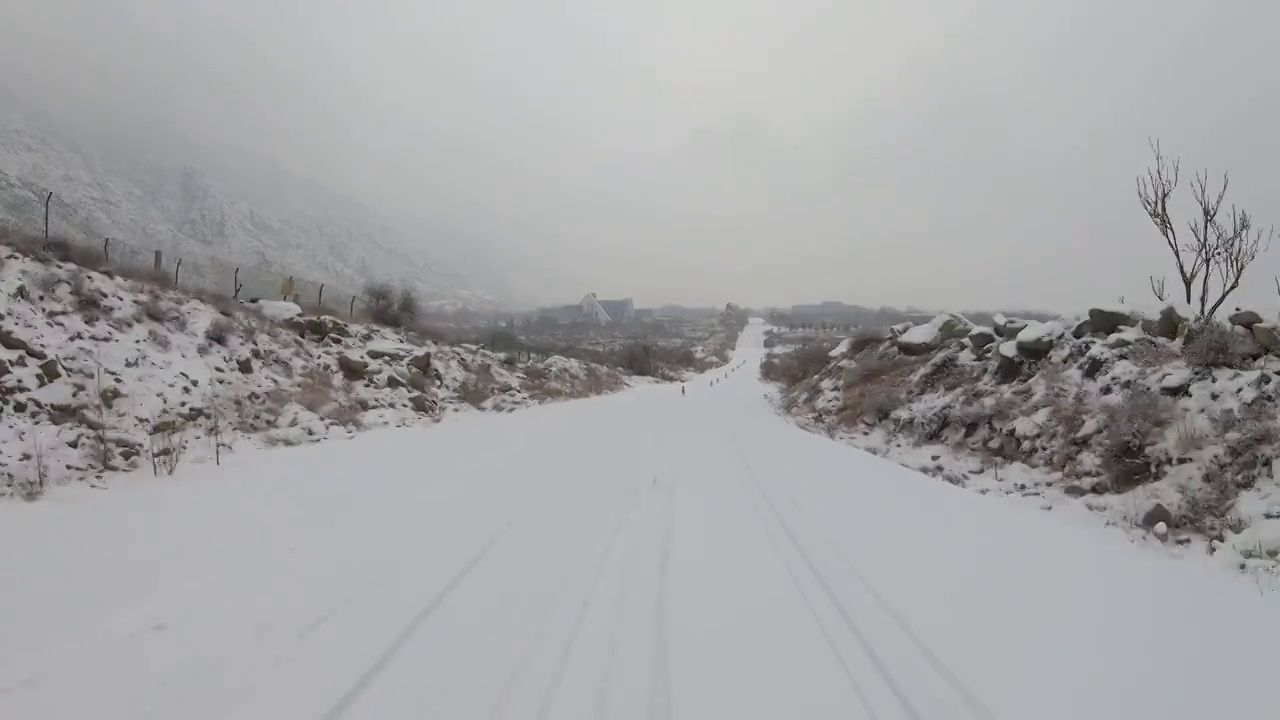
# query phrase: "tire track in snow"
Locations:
[[597, 574], [371, 674], [868, 649], [961, 688], [660, 693], [831, 643], [615, 632]]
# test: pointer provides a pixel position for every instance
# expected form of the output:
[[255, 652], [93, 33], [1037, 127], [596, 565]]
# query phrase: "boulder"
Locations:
[[4, 368], [12, 342], [1035, 341], [1150, 327], [1156, 515], [1245, 319], [50, 369], [421, 363], [1169, 322], [1108, 321], [954, 327], [1008, 328], [352, 369], [394, 380], [980, 338], [386, 353], [422, 404], [1268, 336], [245, 365], [1082, 329], [896, 330], [1007, 369]]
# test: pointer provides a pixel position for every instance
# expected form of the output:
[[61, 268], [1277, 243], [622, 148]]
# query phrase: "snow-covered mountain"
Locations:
[[151, 188]]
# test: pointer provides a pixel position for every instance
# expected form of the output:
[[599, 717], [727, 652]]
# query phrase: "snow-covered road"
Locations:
[[644, 555]]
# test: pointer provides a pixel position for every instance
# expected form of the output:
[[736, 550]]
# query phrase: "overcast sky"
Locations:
[[942, 153]]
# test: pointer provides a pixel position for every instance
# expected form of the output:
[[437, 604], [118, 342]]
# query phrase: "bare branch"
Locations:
[[1157, 288], [1154, 192]]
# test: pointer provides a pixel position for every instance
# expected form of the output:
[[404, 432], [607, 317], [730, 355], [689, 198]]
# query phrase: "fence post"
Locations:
[[235, 283], [158, 265], [176, 268], [46, 218], [352, 311], [106, 255], [320, 299]]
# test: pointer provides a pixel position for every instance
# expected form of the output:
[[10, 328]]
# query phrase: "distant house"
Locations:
[[592, 310], [619, 310]]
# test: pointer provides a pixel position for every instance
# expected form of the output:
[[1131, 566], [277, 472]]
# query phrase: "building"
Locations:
[[592, 310]]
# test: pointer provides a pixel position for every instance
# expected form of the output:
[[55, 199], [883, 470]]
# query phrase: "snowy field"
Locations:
[[640, 555]]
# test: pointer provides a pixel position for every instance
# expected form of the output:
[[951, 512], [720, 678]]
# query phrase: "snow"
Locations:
[[1051, 330], [636, 555], [926, 334], [1009, 349], [841, 349], [278, 309]]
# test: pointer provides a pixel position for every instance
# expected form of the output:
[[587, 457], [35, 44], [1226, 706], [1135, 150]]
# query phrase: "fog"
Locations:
[[940, 153]]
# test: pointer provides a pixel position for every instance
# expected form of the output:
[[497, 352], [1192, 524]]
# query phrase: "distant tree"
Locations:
[[406, 307], [1211, 264]]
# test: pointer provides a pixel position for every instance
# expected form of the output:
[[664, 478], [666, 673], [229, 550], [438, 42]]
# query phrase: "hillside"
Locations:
[[147, 189], [1161, 426], [100, 374]]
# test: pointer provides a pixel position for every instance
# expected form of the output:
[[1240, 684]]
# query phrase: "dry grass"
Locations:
[[220, 330]]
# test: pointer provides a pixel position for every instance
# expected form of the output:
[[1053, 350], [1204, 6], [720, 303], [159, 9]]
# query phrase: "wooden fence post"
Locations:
[[352, 311], [235, 283], [320, 298], [176, 268], [106, 254], [46, 218]]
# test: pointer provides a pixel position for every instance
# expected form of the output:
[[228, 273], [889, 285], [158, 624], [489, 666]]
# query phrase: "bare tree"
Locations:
[[1157, 288], [1210, 265], [378, 293]]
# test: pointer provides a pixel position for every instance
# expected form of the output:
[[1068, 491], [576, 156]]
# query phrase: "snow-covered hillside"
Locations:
[[101, 374], [1161, 426], [164, 193]]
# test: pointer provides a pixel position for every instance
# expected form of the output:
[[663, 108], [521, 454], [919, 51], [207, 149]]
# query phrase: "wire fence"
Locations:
[[68, 236]]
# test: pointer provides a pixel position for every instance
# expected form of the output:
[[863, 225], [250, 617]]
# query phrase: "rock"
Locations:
[[109, 395], [1158, 514], [4, 368], [1267, 336], [1007, 369], [1082, 329], [422, 363], [166, 424], [980, 338], [1108, 321], [1169, 322], [1074, 490], [422, 404], [12, 342], [393, 380], [1176, 383], [383, 353], [49, 368], [1008, 328], [352, 369], [1035, 341], [955, 328], [1161, 530], [915, 348], [1149, 327], [1245, 319], [245, 365], [896, 330]]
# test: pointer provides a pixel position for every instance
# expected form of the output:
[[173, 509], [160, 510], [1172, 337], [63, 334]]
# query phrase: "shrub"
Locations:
[[1129, 425], [220, 330], [1211, 344]]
